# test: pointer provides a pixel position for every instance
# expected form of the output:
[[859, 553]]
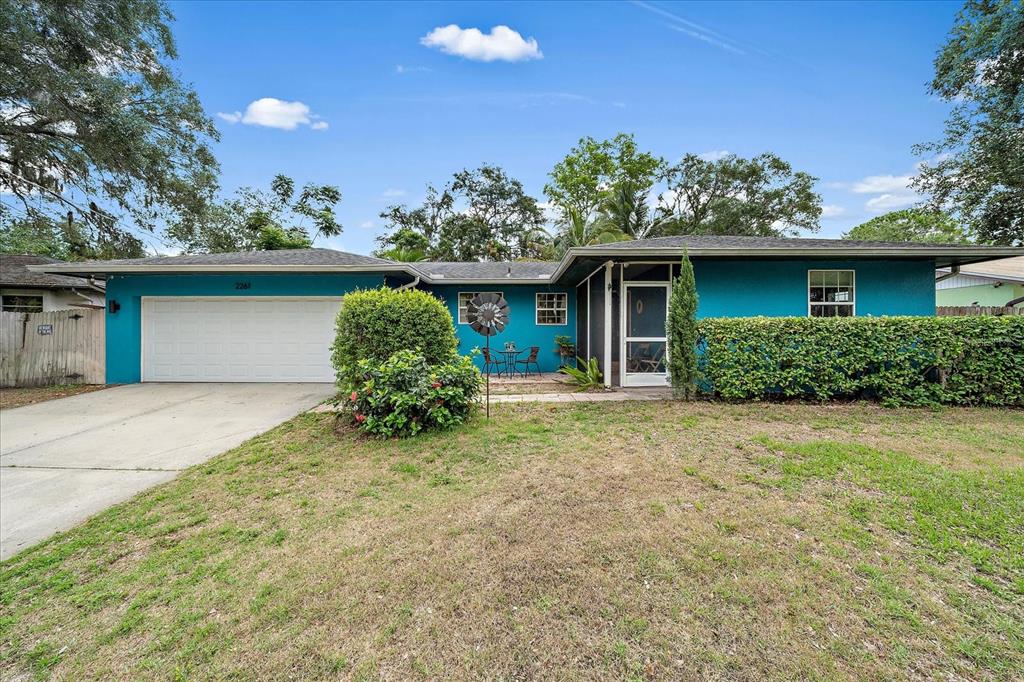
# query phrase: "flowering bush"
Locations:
[[405, 394]]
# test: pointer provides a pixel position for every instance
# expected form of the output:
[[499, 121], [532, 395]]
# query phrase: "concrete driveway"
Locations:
[[64, 460]]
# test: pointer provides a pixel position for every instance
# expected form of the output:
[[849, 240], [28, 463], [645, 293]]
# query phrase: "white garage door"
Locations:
[[238, 339]]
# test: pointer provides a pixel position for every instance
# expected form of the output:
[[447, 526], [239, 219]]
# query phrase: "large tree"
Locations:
[[92, 120], [911, 225], [577, 230], [481, 214], [592, 170], [35, 232], [626, 210], [762, 196], [256, 220], [977, 169]]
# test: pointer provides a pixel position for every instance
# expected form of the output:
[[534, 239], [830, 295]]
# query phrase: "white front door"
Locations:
[[644, 344], [257, 339]]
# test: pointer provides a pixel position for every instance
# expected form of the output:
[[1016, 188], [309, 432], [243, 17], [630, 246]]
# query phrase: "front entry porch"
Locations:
[[622, 309]]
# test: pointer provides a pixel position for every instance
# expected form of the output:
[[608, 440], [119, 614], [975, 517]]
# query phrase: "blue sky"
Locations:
[[381, 103]]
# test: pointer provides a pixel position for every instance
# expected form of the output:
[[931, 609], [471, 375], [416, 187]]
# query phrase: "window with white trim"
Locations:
[[552, 308], [465, 297], [20, 303], [831, 293]]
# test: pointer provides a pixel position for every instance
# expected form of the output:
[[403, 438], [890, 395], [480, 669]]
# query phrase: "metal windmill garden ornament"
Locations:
[[487, 314]]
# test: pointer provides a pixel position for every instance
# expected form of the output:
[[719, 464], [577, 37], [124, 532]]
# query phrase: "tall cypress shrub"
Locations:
[[682, 331]]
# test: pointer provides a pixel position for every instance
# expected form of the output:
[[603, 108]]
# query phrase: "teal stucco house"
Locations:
[[269, 316]]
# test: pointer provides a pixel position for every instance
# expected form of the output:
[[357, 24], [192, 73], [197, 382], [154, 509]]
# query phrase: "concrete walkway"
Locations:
[[65, 460], [617, 395]]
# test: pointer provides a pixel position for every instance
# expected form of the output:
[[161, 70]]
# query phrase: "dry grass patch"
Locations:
[[585, 540], [16, 397]]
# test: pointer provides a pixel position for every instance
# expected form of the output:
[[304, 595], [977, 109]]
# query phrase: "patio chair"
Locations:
[[491, 361], [634, 363], [531, 359], [652, 364]]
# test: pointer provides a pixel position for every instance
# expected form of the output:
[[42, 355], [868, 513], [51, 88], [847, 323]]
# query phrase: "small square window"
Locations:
[[465, 297], [830, 293], [552, 308], [22, 304]]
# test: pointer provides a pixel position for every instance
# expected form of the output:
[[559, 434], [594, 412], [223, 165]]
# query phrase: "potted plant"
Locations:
[[566, 349]]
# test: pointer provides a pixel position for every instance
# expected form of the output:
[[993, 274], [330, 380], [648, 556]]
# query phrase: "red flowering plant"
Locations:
[[406, 395]]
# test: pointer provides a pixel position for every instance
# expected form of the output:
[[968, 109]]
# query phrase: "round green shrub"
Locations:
[[373, 324]]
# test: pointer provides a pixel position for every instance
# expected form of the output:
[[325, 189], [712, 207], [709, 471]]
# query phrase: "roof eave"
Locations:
[[441, 281], [101, 269], [966, 254], [37, 285]]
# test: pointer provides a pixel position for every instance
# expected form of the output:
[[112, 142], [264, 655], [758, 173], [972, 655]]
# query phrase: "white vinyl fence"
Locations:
[[58, 347]]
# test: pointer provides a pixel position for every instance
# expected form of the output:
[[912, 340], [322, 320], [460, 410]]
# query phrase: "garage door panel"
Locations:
[[238, 339]]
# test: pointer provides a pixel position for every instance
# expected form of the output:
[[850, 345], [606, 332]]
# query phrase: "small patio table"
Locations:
[[511, 356]]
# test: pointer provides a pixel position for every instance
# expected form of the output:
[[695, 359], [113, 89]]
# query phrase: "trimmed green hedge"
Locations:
[[374, 324], [897, 360]]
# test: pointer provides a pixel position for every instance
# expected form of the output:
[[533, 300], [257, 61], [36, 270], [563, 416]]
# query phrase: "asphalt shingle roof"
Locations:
[[13, 273], [281, 257], [743, 242], [515, 270]]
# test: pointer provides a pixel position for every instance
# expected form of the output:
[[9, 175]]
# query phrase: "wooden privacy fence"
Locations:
[[965, 310], [58, 347]]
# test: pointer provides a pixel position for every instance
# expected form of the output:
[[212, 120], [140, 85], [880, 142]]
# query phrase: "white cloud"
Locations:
[[892, 201], [502, 43], [891, 192], [715, 155], [832, 211], [367, 225], [877, 184], [551, 212], [391, 193], [271, 112]]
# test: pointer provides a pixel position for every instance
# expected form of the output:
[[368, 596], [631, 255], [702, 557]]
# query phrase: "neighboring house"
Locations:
[[26, 291], [269, 315], [995, 283]]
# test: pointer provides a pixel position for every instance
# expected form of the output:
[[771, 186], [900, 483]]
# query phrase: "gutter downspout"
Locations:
[[954, 270], [78, 293], [410, 285]]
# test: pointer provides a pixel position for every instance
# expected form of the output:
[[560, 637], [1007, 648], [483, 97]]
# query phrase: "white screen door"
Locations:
[[644, 344]]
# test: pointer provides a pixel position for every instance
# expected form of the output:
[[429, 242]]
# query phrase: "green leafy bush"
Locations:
[[897, 360], [405, 394], [375, 323], [587, 376]]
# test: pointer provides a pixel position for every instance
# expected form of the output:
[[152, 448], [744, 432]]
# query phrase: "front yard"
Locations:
[[607, 540]]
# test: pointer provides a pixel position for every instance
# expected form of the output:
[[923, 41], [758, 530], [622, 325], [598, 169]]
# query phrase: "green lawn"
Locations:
[[604, 540]]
